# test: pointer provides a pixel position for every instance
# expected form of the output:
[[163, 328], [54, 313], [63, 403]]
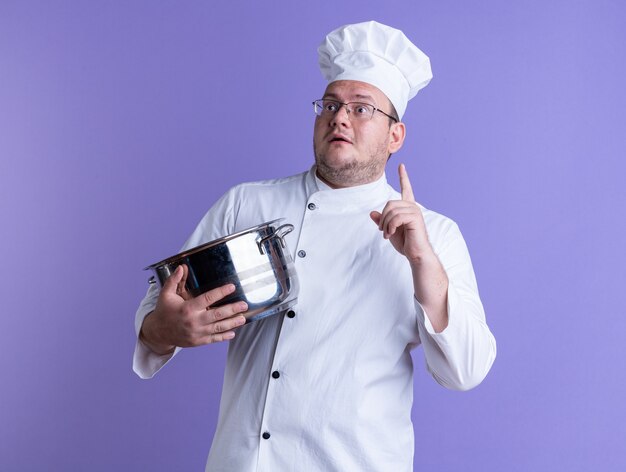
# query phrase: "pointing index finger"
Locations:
[[405, 185]]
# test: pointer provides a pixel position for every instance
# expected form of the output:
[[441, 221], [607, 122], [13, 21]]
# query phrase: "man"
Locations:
[[328, 385]]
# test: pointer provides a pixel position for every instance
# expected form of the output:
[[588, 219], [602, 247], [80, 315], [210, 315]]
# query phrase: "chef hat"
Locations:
[[378, 55]]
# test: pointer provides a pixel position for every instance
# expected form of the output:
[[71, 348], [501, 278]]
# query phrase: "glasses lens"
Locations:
[[330, 107], [325, 107], [361, 111], [356, 110]]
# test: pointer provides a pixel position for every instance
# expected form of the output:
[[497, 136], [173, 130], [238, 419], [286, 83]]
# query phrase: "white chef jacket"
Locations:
[[329, 387]]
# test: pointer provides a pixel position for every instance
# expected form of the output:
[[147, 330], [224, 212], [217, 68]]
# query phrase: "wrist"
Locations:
[[148, 337], [424, 258]]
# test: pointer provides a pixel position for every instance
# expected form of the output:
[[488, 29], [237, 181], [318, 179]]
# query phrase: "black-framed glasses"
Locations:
[[356, 110]]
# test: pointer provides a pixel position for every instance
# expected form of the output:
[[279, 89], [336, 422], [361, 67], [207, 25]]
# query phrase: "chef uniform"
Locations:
[[328, 385]]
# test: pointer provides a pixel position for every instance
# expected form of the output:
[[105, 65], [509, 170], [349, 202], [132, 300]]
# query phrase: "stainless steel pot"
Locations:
[[255, 260]]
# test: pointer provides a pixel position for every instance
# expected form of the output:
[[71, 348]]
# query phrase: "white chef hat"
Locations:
[[378, 55]]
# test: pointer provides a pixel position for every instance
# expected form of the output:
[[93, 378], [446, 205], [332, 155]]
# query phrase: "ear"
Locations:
[[397, 133]]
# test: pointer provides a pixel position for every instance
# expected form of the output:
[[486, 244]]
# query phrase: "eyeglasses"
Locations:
[[356, 110]]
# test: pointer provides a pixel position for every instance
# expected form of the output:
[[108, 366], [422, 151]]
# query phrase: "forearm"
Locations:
[[146, 361], [459, 357], [430, 283]]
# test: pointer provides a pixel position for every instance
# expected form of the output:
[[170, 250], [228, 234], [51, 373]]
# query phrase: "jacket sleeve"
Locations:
[[462, 354], [219, 221]]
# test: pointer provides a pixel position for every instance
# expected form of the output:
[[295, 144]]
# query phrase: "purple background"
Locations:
[[122, 122]]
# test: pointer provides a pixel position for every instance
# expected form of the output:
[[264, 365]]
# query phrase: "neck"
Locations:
[[342, 179]]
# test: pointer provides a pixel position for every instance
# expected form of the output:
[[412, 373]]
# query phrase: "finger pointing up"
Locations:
[[405, 185]]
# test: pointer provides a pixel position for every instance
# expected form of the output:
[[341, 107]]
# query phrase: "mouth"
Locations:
[[339, 139]]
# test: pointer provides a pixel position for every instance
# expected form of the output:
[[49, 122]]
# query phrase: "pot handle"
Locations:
[[281, 232]]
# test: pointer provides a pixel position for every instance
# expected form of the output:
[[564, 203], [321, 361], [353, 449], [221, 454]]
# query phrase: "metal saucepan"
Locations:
[[255, 260]]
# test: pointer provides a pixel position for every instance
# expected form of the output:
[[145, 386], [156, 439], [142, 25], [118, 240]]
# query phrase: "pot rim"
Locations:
[[204, 246]]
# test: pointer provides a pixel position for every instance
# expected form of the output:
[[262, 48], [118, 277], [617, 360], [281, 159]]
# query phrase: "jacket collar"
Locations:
[[368, 196]]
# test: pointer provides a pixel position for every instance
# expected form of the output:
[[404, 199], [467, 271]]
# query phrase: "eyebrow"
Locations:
[[357, 96]]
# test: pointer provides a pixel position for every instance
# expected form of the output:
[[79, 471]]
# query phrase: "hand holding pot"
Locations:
[[179, 320]]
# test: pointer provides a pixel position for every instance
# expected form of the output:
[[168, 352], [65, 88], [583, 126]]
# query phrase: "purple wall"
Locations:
[[121, 123]]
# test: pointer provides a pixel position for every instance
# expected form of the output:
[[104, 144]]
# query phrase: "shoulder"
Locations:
[[258, 191], [251, 203], [443, 232], [437, 222], [271, 185], [245, 205]]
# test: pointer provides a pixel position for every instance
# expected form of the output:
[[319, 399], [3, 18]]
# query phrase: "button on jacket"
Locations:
[[330, 386]]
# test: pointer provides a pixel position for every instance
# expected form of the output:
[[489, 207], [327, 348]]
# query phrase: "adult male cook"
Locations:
[[328, 385]]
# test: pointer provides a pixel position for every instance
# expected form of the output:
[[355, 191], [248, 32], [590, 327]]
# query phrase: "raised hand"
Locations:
[[401, 222]]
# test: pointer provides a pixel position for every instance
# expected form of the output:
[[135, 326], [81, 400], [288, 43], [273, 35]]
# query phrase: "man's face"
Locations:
[[350, 152]]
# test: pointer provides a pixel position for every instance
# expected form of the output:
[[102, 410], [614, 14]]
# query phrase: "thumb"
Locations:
[[173, 280], [375, 216]]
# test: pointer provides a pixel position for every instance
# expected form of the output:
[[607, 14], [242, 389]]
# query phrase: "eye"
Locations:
[[362, 109], [330, 106]]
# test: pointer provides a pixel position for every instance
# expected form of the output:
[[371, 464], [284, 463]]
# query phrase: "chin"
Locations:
[[337, 158], [336, 163], [340, 174]]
